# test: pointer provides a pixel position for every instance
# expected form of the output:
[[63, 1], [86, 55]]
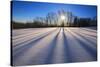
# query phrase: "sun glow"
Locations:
[[62, 17]]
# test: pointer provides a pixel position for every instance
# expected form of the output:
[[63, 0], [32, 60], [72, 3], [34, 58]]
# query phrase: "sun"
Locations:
[[62, 17]]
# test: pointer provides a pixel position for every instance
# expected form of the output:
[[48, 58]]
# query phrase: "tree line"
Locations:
[[82, 22], [52, 20]]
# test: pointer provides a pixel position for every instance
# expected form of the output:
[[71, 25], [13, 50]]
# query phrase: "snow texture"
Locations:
[[37, 46]]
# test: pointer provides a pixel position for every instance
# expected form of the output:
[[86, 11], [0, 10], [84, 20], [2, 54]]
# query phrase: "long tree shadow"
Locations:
[[91, 28], [40, 36], [50, 50], [22, 32], [68, 55], [89, 49], [93, 31], [19, 51], [85, 38], [92, 52], [25, 35], [95, 36], [89, 35], [20, 36]]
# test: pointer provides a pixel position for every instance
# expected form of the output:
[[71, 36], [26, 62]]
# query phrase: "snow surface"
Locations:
[[53, 45]]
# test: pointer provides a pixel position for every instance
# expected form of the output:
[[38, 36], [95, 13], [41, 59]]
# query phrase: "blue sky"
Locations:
[[26, 11]]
